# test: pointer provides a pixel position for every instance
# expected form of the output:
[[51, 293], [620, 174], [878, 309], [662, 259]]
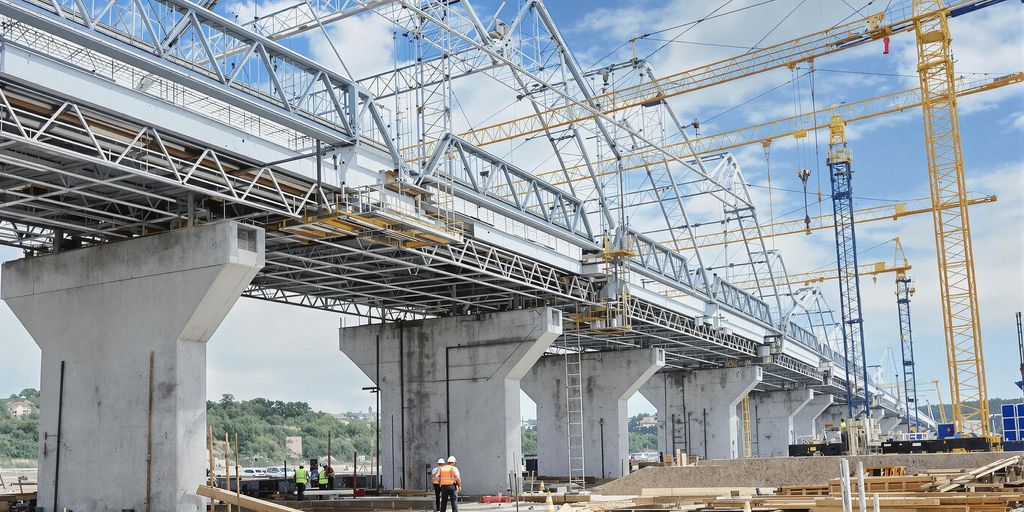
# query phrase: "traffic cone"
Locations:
[[746, 506], [541, 486], [549, 504]]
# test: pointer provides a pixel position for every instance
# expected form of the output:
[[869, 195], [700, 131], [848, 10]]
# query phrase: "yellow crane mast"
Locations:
[[957, 285]]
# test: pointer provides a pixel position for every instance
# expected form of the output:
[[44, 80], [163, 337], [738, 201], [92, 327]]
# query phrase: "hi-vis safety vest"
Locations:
[[300, 476], [434, 477], [446, 475], [323, 477]]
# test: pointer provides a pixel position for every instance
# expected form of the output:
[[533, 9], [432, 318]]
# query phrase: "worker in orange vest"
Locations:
[[451, 483], [435, 479]]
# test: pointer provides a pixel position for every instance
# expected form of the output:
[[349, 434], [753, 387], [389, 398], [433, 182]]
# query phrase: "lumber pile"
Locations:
[[998, 486]]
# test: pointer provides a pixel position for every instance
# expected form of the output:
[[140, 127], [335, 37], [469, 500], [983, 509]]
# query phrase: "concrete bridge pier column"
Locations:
[[697, 411], [450, 386], [98, 314], [832, 415], [805, 423], [609, 380], [889, 423], [772, 415]]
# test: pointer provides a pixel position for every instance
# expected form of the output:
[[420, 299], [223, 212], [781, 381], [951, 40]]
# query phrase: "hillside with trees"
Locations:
[[19, 437]]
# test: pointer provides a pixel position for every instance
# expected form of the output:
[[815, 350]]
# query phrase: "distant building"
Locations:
[[20, 408], [294, 445], [648, 421]]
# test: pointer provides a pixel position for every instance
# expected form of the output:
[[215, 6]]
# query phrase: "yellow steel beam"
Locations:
[[786, 54], [818, 222], [796, 126]]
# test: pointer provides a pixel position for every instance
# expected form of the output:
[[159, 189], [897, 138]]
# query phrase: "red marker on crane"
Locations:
[[885, 41]]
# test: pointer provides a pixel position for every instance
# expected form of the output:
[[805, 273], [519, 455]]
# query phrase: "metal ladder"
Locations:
[[748, 449], [574, 407]]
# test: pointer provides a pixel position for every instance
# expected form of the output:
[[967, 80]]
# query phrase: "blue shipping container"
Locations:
[[1020, 410], [1009, 411], [1009, 424], [945, 430], [1010, 435]]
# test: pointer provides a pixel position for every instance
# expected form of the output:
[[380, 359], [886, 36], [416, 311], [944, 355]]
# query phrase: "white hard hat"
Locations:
[[451, 460], [440, 461]]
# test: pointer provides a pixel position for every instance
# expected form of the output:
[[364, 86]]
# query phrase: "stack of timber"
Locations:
[[998, 486]]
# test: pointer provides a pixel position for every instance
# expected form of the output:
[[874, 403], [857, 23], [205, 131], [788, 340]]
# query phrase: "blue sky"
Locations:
[[246, 357]]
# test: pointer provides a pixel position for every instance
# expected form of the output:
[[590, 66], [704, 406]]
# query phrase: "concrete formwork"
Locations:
[[772, 415], [451, 386], [609, 380], [697, 411], [97, 314], [805, 423]]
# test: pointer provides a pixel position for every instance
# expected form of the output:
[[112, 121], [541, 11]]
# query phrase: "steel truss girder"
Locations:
[[265, 78], [478, 174], [75, 132]]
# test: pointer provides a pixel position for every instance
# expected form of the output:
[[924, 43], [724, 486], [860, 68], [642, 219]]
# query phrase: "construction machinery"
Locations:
[[858, 396], [957, 280]]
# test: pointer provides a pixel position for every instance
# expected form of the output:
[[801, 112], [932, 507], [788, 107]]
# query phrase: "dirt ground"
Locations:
[[778, 471]]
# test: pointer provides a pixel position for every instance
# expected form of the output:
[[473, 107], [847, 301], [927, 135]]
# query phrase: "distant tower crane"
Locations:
[[1020, 350], [858, 396], [904, 289], [942, 407]]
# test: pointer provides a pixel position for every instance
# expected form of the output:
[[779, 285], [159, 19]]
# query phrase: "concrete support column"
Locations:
[[805, 423], [450, 386], [697, 410], [97, 314], [889, 423], [832, 415], [609, 380], [772, 416]]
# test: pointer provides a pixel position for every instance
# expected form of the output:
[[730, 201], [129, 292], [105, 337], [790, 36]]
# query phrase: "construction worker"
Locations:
[[301, 478], [435, 479], [451, 483], [322, 479], [843, 435]]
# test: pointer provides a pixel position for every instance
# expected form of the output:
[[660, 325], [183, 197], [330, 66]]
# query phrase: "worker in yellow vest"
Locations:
[[451, 483], [322, 479], [301, 479], [436, 480]]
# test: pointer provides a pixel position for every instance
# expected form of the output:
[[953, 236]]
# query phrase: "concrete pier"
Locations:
[[805, 423], [772, 415], [832, 415], [98, 314], [890, 423], [609, 380], [697, 410], [450, 386]]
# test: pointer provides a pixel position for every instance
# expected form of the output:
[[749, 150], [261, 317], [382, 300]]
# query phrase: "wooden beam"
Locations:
[[246, 502]]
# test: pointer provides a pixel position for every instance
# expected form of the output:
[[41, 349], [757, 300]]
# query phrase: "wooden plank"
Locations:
[[251, 504], [979, 473]]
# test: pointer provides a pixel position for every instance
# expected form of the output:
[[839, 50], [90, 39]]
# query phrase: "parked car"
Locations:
[[279, 472], [252, 473]]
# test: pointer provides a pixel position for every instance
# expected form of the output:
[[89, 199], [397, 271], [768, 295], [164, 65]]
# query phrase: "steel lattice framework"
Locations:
[[904, 289], [858, 395], [957, 281]]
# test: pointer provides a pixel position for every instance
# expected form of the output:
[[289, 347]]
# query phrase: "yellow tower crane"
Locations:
[[957, 284]]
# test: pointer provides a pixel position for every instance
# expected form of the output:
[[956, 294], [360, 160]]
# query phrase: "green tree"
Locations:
[[529, 443]]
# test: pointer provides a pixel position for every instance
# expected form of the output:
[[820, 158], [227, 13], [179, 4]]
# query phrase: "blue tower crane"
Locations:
[[904, 289], [858, 396]]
